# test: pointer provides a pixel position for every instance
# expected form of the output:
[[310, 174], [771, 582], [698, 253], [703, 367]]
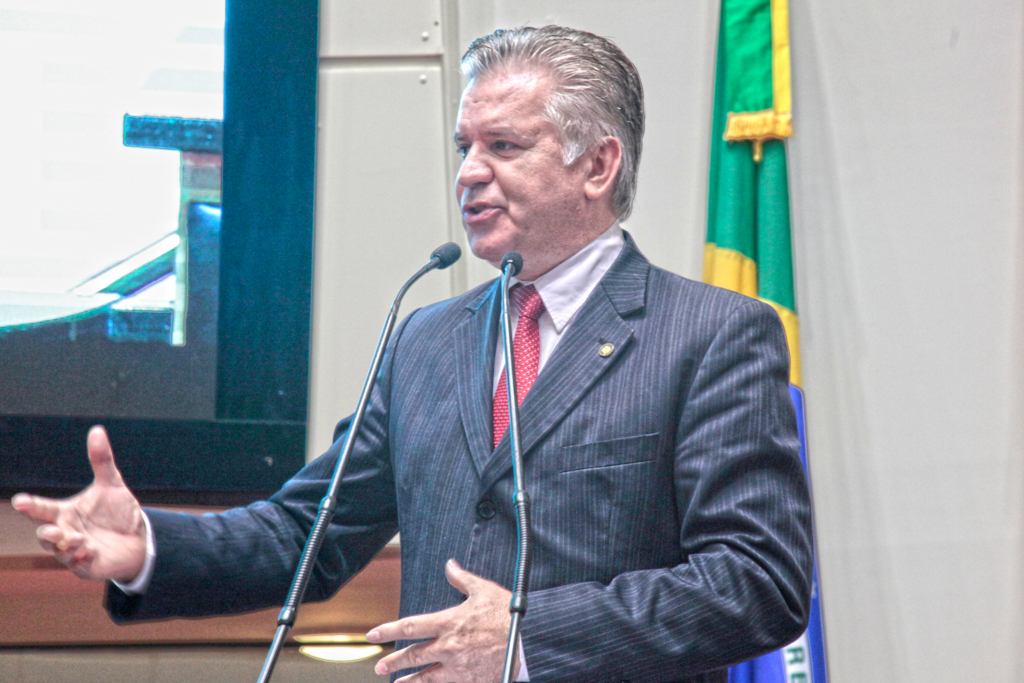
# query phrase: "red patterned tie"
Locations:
[[526, 347]]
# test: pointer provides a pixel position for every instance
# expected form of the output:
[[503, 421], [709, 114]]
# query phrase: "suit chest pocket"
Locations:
[[630, 450], [596, 507]]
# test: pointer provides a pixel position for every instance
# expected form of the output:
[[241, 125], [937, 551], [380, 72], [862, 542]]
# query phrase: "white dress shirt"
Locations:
[[563, 289], [141, 582]]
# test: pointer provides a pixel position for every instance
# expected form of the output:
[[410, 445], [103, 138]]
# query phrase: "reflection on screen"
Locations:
[[91, 226], [110, 185]]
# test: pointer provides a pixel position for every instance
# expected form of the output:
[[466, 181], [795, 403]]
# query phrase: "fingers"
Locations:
[[69, 548], [429, 675], [410, 628], [452, 634], [420, 654], [34, 507], [57, 540], [101, 457], [461, 579]]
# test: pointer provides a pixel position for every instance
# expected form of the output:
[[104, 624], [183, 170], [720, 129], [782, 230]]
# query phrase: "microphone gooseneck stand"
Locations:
[[511, 264], [442, 257]]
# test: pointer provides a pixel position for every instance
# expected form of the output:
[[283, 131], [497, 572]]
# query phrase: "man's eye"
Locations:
[[463, 150], [503, 146]]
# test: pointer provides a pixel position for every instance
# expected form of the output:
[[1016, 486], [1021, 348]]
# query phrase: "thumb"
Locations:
[[101, 457], [458, 577]]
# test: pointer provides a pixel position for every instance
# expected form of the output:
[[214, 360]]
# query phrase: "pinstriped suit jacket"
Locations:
[[671, 515]]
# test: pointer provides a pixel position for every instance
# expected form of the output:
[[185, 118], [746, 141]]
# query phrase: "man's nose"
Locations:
[[474, 169]]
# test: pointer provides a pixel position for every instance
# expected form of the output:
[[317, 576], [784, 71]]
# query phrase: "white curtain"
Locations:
[[906, 187]]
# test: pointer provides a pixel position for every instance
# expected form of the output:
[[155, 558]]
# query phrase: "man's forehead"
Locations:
[[498, 103], [512, 78], [509, 83]]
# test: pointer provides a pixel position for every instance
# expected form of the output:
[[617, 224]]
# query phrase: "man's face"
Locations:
[[514, 189]]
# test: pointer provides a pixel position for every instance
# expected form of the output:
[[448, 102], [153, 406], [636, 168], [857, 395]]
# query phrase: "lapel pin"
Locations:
[[606, 350]]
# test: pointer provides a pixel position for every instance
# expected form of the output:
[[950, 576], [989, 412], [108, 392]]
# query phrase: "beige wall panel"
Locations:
[[381, 208], [379, 28]]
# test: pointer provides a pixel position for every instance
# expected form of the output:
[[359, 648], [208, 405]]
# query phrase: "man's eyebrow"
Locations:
[[503, 131], [500, 132]]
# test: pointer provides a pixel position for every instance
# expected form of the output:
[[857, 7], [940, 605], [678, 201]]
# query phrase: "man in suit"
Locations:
[[671, 516]]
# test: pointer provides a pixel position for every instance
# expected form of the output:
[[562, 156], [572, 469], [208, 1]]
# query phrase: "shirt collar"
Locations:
[[567, 286]]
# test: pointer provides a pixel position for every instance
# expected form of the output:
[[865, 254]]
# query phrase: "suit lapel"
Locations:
[[474, 341], [576, 364]]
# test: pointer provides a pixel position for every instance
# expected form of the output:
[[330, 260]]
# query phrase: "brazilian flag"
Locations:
[[748, 247]]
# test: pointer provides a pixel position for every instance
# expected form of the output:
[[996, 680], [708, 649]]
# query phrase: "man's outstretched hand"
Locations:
[[468, 640], [100, 533]]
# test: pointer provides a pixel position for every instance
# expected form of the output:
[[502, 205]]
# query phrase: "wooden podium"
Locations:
[[43, 604]]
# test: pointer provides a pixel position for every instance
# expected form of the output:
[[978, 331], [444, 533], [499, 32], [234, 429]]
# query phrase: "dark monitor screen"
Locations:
[[160, 284]]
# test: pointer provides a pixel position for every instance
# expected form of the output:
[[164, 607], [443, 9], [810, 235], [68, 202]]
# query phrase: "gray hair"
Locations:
[[597, 91]]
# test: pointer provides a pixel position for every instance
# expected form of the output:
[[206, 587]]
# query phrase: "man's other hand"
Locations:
[[468, 641], [100, 533]]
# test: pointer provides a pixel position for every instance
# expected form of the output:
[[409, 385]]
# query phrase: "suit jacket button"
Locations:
[[485, 508]]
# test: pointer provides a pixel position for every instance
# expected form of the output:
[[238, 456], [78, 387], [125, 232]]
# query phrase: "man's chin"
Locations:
[[491, 253]]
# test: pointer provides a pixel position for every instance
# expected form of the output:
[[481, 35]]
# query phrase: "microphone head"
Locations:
[[513, 259], [447, 254]]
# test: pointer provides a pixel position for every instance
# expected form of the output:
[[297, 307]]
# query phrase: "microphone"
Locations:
[[446, 254], [513, 259], [442, 257], [512, 264]]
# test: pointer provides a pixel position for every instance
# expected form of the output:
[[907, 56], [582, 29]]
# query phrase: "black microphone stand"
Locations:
[[442, 257], [511, 264]]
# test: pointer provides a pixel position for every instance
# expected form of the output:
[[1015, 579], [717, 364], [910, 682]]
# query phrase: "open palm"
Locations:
[[99, 533]]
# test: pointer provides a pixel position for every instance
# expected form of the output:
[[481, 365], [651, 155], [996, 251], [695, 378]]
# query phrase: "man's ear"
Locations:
[[605, 160]]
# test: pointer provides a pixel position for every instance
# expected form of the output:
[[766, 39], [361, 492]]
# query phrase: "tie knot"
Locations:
[[528, 301]]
